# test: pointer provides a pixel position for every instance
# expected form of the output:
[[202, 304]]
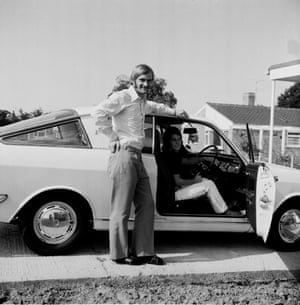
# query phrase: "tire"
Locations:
[[54, 225], [285, 230]]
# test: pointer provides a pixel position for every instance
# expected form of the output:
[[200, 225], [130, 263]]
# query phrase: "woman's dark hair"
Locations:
[[170, 131]]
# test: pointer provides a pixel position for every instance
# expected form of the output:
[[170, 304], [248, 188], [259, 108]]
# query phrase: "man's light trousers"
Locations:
[[130, 184]]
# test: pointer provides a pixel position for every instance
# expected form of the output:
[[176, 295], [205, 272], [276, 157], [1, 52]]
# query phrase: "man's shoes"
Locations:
[[140, 260], [131, 260], [153, 260], [122, 261], [137, 260]]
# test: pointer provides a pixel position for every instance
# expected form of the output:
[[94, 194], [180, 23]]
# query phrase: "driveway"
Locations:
[[185, 253]]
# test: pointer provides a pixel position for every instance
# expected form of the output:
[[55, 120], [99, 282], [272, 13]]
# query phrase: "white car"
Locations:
[[54, 182]]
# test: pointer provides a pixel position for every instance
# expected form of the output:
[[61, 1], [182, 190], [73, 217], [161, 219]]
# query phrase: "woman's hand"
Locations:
[[198, 178]]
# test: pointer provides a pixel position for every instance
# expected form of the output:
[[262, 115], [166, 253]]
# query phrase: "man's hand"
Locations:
[[181, 113], [114, 146]]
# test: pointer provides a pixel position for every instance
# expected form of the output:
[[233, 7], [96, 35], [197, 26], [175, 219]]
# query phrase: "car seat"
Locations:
[[165, 195]]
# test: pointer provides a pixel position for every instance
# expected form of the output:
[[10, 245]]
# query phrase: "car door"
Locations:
[[260, 198]]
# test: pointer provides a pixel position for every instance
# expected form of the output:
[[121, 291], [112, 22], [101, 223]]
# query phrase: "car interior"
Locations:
[[218, 162]]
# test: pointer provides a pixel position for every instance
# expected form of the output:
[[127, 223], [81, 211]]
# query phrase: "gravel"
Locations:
[[249, 288]]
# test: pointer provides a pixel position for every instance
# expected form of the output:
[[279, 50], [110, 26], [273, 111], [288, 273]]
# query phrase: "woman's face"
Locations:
[[175, 142]]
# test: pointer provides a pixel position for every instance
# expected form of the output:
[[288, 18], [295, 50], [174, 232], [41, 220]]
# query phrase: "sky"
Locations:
[[67, 53]]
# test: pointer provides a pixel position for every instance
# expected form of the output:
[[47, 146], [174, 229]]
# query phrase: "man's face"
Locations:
[[142, 84]]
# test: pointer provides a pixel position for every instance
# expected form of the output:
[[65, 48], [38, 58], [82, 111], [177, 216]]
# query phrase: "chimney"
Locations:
[[249, 98]]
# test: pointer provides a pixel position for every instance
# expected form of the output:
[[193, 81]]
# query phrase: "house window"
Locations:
[[293, 139], [212, 138], [208, 136]]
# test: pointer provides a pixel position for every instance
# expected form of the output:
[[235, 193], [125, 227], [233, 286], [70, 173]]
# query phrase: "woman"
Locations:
[[175, 155]]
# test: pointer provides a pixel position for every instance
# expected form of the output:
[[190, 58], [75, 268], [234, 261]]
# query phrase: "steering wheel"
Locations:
[[213, 157]]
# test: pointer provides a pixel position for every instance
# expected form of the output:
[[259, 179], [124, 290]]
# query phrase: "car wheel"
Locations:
[[285, 230], [53, 226]]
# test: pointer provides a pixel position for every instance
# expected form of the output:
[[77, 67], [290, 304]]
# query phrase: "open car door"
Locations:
[[260, 194], [260, 198]]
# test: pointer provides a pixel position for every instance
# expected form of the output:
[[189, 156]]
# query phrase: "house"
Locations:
[[232, 119]]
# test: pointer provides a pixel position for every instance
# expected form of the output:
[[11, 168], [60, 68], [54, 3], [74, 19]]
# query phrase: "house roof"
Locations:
[[258, 115]]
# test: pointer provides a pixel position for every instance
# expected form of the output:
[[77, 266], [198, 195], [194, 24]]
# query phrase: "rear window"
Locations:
[[67, 134]]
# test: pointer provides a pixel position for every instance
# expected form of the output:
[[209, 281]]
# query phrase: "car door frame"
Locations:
[[187, 222], [260, 192]]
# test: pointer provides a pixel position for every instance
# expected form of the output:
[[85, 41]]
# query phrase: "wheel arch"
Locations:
[[273, 241], [20, 215], [291, 199]]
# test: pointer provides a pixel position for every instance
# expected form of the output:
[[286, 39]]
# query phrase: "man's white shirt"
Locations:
[[121, 116]]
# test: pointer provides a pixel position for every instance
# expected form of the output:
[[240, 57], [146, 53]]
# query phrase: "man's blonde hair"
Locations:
[[140, 70]]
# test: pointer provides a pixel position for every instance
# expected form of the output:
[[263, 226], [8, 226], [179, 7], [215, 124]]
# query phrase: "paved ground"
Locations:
[[185, 253]]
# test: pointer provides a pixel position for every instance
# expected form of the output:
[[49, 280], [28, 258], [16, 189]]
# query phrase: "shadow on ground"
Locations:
[[175, 247]]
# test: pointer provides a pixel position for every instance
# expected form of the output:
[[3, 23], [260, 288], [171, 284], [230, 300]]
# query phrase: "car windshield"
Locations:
[[198, 137], [246, 146]]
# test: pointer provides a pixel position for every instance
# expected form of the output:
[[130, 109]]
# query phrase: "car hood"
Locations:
[[287, 183], [285, 174]]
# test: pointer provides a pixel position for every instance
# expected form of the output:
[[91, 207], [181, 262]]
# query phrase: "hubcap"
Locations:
[[289, 226], [55, 222]]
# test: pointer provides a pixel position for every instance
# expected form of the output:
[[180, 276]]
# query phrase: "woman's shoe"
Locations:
[[232, 213]]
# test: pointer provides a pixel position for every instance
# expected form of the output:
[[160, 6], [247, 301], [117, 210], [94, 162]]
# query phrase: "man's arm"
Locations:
[[153, 107], [103, 113]]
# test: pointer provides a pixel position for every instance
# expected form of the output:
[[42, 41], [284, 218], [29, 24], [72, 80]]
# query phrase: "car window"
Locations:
[[151, 144], [147, 148], [67, 134], [197, 137]]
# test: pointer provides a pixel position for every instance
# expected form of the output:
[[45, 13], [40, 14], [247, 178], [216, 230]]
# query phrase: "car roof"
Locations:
[[44, 119], [72, 113]]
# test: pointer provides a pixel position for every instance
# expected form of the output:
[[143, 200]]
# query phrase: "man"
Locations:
[[121, 118]]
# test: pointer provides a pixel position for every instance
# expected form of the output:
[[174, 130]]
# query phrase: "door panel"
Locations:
[[265, 201], [260, 198]]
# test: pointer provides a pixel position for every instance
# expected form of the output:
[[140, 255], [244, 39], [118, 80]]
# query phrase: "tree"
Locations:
[[158, 94], [37, 112], [122, 82], [7, 117], [13, 117], [291, 97], [24, 115], [4, 120]]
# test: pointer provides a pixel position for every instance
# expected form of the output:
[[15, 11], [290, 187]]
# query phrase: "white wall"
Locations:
[[209, 113]]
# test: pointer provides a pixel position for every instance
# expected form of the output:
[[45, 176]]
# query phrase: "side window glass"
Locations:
[[67, 134], [199, 137], [150, 140]]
